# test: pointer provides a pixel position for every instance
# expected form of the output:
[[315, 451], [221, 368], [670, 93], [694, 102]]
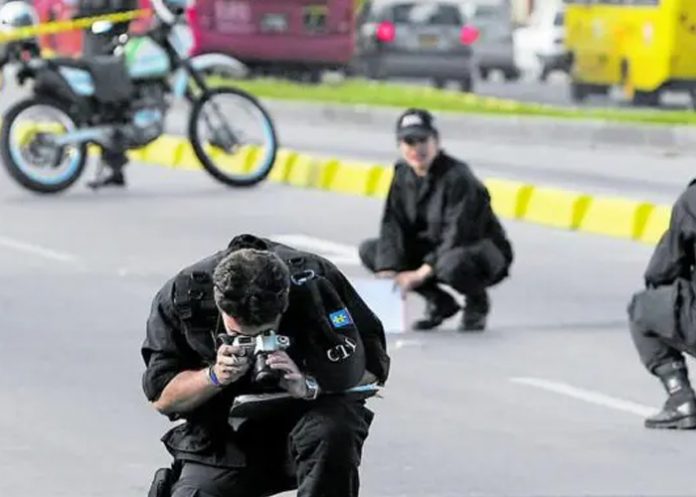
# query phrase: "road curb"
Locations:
[[583, 133], [554, 207]]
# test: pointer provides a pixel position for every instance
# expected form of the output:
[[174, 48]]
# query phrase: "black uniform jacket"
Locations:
[[674, 255], [449, 208], [671, 269], [181, 335]]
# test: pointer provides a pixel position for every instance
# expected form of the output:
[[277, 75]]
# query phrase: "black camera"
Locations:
[[259, 348]]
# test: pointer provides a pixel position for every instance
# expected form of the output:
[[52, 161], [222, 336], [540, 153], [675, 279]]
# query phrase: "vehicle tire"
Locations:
[[511, 74], [373, 70], [578, 92], [466, 84], [692, 98], [439, 83], [215, 166], [44, 179], [484, 72], [309, 76], [646, 98]]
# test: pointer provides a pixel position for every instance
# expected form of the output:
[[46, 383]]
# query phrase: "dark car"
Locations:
[[494, 47], [416, 39]]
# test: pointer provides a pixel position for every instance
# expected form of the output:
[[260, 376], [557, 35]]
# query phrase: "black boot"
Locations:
[[475, 312], [679, 412], [116, 178], [440, 306], [114, 161]]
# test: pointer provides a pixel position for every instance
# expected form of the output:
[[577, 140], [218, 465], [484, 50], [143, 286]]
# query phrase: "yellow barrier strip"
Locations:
[[62, 26], [556, 207]]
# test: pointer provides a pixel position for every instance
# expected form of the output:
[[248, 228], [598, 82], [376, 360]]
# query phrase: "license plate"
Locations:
[[429, 41], [274, 23]]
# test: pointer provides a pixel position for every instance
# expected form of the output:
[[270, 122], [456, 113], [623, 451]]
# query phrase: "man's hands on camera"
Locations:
[[231, 364], [293, 380]]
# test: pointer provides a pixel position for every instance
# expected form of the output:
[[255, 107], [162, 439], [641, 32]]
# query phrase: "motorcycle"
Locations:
[[121, 100]]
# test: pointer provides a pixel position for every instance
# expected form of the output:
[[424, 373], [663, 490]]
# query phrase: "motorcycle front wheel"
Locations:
[[29, 151], [233, 136]]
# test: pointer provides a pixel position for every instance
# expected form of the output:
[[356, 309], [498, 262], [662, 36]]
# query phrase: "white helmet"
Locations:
[[17, 14]]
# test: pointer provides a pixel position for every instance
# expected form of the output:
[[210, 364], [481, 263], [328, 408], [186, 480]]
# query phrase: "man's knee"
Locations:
[[334, 433], [368, 253], [472, 269], [653, 312], [201, 480], [465, 276]]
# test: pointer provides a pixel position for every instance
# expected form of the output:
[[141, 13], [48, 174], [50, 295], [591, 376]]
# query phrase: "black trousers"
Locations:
[[661, 331], [464, 269], [318, 453], [96, 44]]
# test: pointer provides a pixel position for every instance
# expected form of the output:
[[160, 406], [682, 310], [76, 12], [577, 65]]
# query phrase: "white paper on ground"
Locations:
[[384, 302]]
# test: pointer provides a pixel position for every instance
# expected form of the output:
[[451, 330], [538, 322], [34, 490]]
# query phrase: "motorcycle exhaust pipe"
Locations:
[[98, 134]]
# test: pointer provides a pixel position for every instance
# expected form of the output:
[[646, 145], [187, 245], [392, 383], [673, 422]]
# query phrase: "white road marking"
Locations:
[[30, 248], [338, 253], [400, 344], [590, 396]]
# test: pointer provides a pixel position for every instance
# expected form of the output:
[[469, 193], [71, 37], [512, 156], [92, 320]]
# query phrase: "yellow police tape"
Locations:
[[54, 27], [621, 218]]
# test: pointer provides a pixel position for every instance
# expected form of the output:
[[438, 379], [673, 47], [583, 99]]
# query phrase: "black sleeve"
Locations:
[[164, 350], [465, 209], [390, 249], [368, 324], [673, 256]]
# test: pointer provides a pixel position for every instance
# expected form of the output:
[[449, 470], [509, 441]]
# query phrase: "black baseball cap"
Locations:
[[415, 123]]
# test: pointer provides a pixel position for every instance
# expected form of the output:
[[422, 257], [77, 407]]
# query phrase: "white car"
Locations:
[[539, 47]]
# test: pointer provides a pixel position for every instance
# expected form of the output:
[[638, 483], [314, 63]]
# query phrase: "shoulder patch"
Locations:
[[340, 319]]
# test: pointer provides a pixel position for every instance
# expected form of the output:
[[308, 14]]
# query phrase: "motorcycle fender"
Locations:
[[224, 64]]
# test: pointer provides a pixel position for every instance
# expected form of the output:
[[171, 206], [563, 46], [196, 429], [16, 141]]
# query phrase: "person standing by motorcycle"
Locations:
[[313, 440], [101, 44]]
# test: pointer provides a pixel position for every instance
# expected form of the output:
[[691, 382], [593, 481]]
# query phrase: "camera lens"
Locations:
[[264, 376]]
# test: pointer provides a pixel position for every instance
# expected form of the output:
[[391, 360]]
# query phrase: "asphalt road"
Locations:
[[548, 402]]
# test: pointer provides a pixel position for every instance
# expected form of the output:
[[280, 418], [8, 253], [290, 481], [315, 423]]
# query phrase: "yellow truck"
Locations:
[[643, 46]]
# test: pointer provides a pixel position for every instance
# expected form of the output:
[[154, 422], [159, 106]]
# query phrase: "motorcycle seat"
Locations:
[[111, 80]]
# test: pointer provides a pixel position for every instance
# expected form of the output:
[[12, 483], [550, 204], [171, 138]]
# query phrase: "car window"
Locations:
[[440, 14], [487, 11]]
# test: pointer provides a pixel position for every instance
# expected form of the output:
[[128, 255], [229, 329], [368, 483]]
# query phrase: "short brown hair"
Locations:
[[252, 286]]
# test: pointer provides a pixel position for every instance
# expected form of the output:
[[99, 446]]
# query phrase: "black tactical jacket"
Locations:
[[181, 335], [446, 209]]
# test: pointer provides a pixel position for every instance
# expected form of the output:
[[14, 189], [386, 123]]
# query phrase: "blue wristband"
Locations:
[[213, 377]]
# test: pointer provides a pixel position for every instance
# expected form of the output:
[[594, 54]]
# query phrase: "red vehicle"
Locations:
[[292, 37], [69, 43]]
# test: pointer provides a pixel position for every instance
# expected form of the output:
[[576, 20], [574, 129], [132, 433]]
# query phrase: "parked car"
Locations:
[[494, 48], [289, 37], [416, 39], [540, 46]]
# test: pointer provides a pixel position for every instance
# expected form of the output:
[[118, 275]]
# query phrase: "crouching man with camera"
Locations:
[[262, 319]]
